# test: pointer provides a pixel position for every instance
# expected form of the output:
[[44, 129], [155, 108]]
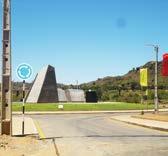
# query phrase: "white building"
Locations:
[[75, 95], [61, 95]]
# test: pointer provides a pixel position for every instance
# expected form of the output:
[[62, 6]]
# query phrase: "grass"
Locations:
[[81, 106]]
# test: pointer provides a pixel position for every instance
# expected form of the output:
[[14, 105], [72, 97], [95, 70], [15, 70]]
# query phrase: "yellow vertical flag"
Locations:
[[144, 77]]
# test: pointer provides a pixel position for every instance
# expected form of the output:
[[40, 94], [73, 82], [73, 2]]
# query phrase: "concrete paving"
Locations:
[[98, 135], [158, 125], [30, 128]]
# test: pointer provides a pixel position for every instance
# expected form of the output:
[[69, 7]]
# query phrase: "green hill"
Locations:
[[111, 88]]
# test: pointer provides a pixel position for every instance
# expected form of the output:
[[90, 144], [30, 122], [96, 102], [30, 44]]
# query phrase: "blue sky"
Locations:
[[87, 39]]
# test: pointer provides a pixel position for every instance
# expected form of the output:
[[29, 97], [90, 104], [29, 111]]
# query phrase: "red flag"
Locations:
[[165, 65]]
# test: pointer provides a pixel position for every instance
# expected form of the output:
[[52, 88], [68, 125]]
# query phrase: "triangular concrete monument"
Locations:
[[44, 89]]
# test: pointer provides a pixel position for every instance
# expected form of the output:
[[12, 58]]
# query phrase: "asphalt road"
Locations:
[[98, 135]]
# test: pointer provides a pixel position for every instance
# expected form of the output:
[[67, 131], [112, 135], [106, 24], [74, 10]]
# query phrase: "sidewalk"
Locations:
[[158, 125], [30, 128], [84, 112]]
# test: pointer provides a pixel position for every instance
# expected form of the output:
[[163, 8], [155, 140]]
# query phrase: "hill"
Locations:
[[109, 88]]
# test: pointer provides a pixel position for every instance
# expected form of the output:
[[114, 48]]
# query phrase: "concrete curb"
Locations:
[[84, 112], [151, 127]]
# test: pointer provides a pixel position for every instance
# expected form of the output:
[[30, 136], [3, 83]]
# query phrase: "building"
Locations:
[[75, 95], [61, 95], [91, 96]]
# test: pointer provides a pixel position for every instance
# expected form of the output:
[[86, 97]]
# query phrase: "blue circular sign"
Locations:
[[24, 71]]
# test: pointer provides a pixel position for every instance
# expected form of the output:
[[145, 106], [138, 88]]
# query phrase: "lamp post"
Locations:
[[156, 49]]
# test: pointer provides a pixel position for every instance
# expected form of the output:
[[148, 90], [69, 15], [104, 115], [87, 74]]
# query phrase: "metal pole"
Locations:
[[156, 48], [6, 91], [23, 108], [77, 87]]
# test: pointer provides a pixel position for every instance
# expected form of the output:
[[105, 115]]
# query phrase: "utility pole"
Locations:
[[156, 49], [6, 91]]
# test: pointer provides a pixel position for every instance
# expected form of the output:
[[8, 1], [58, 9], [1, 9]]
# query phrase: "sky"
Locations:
[[87, 39]]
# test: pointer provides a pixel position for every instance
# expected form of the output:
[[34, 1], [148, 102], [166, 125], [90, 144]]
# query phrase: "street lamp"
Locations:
[[156, 49]]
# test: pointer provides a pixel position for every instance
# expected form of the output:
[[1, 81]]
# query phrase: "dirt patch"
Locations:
[[157, 117], [24, 146]]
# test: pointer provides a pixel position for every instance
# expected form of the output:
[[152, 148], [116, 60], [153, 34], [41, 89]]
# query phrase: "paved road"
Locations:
[[98, 135]]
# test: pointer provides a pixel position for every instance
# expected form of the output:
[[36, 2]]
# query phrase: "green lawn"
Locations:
[[81, 107]]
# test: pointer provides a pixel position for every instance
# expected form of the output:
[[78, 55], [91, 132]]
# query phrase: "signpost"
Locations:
[[24, 72]]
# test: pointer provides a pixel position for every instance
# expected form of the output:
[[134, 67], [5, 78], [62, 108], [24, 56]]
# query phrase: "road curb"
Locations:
[[84, 112], [145, 126]]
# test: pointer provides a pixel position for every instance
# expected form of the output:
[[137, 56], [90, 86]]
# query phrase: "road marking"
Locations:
[[40, 131]]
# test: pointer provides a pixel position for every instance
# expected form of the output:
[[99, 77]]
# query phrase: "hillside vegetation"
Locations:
[[127, 88]]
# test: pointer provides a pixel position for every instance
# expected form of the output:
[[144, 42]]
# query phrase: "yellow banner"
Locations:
[[144, 77]]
